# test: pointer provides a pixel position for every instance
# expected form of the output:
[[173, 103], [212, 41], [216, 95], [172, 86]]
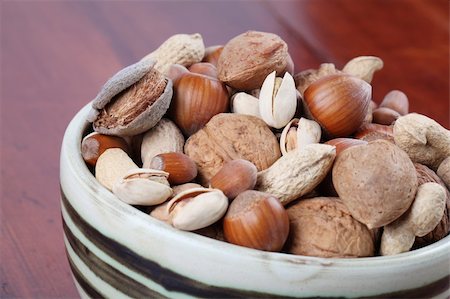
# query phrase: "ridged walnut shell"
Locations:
[[248, 58], [339, 103], [377, 182], [197, 98], [324, 227], [230, 136]]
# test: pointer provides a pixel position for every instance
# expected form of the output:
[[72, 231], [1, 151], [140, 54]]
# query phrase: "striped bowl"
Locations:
[[117, 251]]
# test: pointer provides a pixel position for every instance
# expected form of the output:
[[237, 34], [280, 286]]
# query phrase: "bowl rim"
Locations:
[[72, 143]]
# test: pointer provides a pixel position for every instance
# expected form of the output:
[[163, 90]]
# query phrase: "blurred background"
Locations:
[[56, 55]]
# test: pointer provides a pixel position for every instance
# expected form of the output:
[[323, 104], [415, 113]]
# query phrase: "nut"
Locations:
[[377, 182], [326, 186], [426, 175], [423, 216], [305, 78], [197, 98], [339, 103], [248, 58], [397, 101], [184, 49], [297, 173], [277, 100], [95, 144], [423, 139], [197, 208], [370, 132], [132, 101], [143, 187], [298, 133], [385, 116], [229, 136], [111, 166], [324, 227], [204, 68], [165, 137], [235, 177], [175, 72], [181, 168], [212, 54], [243, 103], [363, 67], [443, 171], [256, 220]]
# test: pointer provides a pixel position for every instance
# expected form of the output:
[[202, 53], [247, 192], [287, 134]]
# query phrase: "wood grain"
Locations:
[[56, 55]]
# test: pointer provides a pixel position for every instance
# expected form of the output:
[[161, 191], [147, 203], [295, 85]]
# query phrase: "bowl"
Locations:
[[115, 250]]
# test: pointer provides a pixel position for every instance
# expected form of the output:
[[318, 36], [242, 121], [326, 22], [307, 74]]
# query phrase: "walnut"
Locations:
[[324, 227], [425, 175], [229, 136]]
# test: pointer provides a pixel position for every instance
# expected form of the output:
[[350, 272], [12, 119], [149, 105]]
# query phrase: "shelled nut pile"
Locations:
[[228, 142]]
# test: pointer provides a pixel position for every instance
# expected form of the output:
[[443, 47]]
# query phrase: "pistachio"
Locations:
[[197, 208], [244, 103], [299, 133], [297, 173], [143, 187], [278, 100], [111, 166]]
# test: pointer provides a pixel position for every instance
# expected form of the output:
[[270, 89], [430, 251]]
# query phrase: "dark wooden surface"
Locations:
[[56, 55]]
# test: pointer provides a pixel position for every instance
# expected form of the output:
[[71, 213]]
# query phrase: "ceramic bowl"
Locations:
[[117, 251]]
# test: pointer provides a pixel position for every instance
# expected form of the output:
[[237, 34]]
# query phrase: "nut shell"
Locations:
[[197, 98], [396, 100], [377, 182], [370, 132], [180, 167], [248, 58], [324, 227], [256, 220], [339, 103], [95, 144], [131, 103], [235, 177], [230, 136]]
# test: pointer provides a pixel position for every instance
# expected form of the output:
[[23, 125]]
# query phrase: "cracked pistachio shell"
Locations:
[[143, 187], [132, 101], [297, 173], [244, 103], [298, 133], [113, 165], [278, 103], [197, 208]]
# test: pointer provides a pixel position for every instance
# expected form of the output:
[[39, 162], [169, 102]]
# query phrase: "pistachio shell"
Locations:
[[143, 187], [299, 133], [244, 103], [277, 107], [197, 208]]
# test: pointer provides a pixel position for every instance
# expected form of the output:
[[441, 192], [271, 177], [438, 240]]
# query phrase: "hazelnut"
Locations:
[[235, 177], [339, 103], [397, 101], [94, 144], [256, 220], [369, 132], [180, 167], [324, 227]]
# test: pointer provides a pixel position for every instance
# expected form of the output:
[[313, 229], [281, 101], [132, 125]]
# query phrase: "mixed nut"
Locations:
[[228, 142]]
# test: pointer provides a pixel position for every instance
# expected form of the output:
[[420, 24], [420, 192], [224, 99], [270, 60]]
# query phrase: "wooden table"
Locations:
[[56, 55]]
